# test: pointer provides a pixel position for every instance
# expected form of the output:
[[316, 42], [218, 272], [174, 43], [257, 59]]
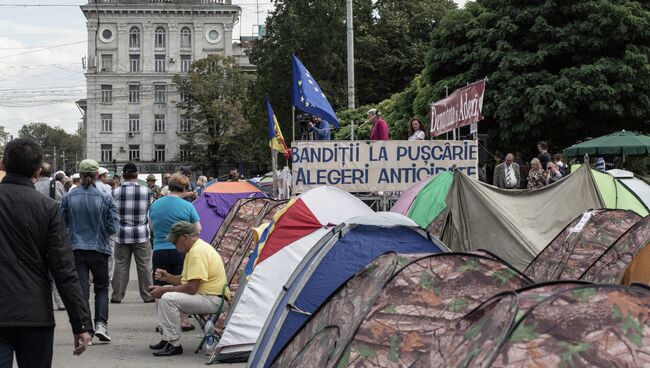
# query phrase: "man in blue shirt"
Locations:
[[90, 217], [320, 128]]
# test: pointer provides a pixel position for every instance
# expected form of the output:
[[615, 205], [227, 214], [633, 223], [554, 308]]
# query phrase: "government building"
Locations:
[[135, 47]]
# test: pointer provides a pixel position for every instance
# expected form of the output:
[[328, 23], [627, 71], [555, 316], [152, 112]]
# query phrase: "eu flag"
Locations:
[[307, 96]]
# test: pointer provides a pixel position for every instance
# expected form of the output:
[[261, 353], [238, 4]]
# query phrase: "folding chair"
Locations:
[[203, 319]]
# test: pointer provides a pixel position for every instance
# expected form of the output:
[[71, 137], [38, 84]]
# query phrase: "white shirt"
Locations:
[[510, 171], [417, 136]]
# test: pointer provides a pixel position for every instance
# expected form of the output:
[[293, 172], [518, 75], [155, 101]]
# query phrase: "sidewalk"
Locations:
[[132, 326]]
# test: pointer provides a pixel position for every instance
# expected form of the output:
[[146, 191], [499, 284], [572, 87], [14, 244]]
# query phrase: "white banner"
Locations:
[[365, 166]]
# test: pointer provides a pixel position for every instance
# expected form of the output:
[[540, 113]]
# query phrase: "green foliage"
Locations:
[[215, 89], [49, 137], [558, 70]]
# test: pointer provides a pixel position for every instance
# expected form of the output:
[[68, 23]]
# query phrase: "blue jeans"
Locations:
[[32, 345], [97, 263]]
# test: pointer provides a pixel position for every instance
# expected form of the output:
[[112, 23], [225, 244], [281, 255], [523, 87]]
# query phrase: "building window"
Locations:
[[134, 123], [186, 62], [186, 37], [107, 93], [134, 93], [185, 154], [134, 152], [160, 37], [159, 123], [160, 63], [134, 63], [134, 37], [160, 93], [107, 62], [185, 124], [107, 152], [185, 97], [107, 123], [159, 153]]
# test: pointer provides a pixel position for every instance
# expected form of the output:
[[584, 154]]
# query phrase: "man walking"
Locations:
[[197, 290], [91, 217], [132, 201], [544, 157], [47, 186], [33, 244], [506, 174]]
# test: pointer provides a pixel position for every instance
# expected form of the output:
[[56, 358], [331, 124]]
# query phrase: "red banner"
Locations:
[[463, 107]]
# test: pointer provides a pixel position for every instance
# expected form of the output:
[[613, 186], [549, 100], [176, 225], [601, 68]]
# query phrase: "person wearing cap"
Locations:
[[379, 130], [47, 186], [132, 201], [151, 184], [76, 181], [33, 244], [197, 290], [90, 217], [103, 180]]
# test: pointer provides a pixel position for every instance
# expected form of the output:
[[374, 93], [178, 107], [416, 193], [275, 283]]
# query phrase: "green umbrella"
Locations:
[[615, 144]]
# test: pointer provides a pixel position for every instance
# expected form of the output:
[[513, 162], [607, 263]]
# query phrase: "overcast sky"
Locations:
[[41, 49]]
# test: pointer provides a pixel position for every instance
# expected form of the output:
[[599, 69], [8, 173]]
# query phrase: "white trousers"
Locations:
[[172, 304]]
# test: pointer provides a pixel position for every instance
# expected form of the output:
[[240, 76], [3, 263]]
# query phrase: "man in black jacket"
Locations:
[[32, 243]]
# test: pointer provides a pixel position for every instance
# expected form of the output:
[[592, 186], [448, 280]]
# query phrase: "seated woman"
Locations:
[[537, 176], [416, 130]]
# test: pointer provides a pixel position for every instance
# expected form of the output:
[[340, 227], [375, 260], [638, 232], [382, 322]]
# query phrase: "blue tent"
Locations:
[[329, 266]]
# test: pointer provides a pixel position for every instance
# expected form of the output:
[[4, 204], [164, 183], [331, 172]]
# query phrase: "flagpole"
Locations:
[[274, 167], [293, 124]]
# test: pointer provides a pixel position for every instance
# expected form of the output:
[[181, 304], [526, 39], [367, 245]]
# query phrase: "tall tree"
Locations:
[[50, 137], [558, 70], [214, 91]]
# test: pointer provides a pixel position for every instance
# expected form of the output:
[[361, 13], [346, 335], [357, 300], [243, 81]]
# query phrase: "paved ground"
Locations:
[[132, 328]]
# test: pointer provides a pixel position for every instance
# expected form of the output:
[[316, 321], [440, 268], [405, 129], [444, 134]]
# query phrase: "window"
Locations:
[[185, 154], [159, 153], [185, 124], [160, 63], [107, 152], [185, 98], [107, 93], [134, 152], [160, 37], [107, 62], [107, 123], [134, 62], [134, 123], [186, 37], [186, 62], [159, 93], [134, 37], [159, 123], [134, 93]]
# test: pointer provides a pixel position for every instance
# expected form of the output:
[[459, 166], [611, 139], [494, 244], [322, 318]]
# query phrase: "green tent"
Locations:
[[615, 144], [430, 200], [615, 194]]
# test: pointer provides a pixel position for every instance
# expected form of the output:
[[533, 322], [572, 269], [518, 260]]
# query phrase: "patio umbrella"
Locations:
[[616, 144]]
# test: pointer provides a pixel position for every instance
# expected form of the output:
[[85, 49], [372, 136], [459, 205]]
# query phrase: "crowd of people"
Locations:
[[57, 241], [544, 170]]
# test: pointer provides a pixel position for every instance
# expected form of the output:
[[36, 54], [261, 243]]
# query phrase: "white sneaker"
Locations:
[[101, 332]]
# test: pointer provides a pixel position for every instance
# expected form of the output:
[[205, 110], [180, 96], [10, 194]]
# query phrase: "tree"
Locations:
[[49, 137], [214, 91], [557, 70]]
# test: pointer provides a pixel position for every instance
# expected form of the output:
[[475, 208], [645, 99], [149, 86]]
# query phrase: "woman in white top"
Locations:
[[416, 130]]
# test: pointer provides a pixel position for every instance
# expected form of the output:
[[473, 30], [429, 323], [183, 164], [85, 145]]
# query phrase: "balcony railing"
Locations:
[[177, 2]]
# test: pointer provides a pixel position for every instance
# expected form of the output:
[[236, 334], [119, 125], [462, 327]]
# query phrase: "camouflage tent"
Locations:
[[610, 266], [329, 265], [379, 320], [580, 243]]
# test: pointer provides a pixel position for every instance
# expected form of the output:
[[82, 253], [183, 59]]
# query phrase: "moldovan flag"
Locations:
[[276, 140]]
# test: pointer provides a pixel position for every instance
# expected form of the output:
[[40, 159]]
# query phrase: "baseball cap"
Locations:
[[178, 229], [102, 171], [372, 112], [129, 169], [151, 177], [88, 166], [76, 176], [60, 172]]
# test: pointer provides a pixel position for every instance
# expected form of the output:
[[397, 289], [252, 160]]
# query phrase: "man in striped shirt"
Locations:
[[133, 201]]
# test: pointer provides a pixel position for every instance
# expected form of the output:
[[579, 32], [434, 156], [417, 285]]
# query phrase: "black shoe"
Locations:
[[115, 301], [159, 345], [169, 350], [149, 300]]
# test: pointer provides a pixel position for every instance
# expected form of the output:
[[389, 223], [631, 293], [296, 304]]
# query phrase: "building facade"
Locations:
[[135, 47]]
